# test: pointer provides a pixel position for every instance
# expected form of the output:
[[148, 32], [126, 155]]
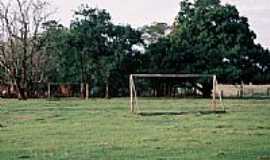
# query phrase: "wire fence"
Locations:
[[244, 91], [46, 90]]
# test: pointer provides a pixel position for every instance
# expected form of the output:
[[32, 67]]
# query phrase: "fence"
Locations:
[[241, 91], [47, 90], [8, 91]]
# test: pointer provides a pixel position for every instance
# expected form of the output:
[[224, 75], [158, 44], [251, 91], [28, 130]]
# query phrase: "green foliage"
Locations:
[[210, 38], [92, 50], [62, 64], [213, 35], [152, 33], [207, 3], [206, 38], [90, 30]]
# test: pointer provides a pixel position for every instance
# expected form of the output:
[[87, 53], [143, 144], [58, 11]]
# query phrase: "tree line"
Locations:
[[205, 38]]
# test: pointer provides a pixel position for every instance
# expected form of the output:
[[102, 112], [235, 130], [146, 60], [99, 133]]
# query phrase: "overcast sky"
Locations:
[[141, 12]]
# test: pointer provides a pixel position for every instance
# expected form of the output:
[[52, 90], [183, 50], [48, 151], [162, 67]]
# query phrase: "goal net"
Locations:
[[174, 93]]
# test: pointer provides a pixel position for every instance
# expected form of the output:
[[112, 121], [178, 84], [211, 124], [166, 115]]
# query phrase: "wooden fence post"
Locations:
[[222, 93], [242, 90]]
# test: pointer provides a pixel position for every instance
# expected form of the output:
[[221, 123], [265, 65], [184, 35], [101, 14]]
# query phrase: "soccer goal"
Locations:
[[172, 85]]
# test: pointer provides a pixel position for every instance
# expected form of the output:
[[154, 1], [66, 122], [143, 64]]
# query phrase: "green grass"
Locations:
[[104, 129]]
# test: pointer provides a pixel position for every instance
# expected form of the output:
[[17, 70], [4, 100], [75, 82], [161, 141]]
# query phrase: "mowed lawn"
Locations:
[[71, 129]]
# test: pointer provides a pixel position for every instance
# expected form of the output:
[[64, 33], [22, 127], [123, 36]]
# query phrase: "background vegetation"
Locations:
[[206, 38]]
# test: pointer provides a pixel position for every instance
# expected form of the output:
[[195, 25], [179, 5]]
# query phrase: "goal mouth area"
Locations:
[[168, 87]]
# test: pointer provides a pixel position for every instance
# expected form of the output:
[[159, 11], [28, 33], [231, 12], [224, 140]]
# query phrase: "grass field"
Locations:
[[104, 129]]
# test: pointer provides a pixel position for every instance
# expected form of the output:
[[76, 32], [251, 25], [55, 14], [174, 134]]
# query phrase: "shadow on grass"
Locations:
[[179, 113], [248, 98]]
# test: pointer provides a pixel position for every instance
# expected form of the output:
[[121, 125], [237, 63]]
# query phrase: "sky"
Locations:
[[141, 12]]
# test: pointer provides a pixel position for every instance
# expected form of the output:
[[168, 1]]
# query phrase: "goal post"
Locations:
[[134, 96]]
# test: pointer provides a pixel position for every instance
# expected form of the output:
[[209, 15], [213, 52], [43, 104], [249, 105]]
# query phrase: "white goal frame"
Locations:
[[133, 92]]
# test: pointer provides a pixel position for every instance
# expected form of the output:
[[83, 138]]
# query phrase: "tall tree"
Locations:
[[122, 57], [90, 31], [93, 50], [57, 46], [20, 44], [104, 49], [214, 39]]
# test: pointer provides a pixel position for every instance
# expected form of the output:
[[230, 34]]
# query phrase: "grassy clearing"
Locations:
[[104, 129]]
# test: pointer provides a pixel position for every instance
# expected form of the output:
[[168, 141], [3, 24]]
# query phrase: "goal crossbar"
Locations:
[[133, 92]]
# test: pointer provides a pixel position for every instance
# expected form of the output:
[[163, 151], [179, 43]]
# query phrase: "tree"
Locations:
[[21, 22], [122, 57], [105, 50], [152, 33], [90, 31], [93, 50], [214, 39], [62, 64]]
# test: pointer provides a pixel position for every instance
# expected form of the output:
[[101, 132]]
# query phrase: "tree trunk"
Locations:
[[87, 91], [174, 91], [20, 91], [107, 92], [82, 91]]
